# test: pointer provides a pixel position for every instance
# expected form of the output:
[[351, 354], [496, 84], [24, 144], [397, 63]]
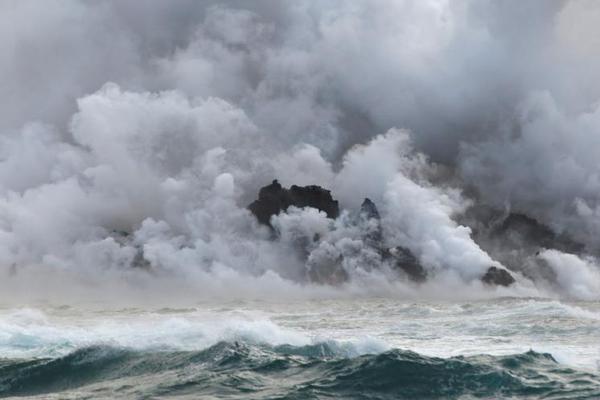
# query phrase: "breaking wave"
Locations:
[[242, 370]]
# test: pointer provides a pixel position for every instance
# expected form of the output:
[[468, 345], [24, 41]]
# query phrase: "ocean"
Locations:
[[302, 199], [367, 348]]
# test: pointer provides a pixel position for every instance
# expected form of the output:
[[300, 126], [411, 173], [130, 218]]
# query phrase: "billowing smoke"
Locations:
[[134, 134]]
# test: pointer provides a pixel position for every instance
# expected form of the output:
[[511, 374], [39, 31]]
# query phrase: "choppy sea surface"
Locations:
[[335, 349]]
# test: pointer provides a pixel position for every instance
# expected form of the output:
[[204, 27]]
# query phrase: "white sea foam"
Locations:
[[350, 327]]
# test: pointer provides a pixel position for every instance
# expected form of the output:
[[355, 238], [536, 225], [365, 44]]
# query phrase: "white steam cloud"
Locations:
[[163, 119]]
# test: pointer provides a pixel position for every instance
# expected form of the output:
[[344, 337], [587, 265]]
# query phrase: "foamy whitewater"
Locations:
[[367, 348], [134, 135]]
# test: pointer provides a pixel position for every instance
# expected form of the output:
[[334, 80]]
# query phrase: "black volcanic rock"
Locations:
[[400, 257], [369, 209], [273, 199], [515, 240], [532, 231], [497, 277], [372, 224], [405, 260]]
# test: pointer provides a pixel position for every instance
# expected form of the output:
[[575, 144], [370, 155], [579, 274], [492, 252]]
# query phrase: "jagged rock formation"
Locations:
[[324, 263], [369, 210], [497, 277], [273, 199], [370, 215], [405, 260], [400, 257]]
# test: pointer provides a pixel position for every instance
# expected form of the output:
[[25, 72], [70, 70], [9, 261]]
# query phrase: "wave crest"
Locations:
[[312, 371]]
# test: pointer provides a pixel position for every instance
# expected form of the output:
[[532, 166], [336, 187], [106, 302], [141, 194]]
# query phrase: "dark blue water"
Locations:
[[242, 371]]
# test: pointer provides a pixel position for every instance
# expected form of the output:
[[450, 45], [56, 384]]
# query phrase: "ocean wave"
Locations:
[[321, 370]]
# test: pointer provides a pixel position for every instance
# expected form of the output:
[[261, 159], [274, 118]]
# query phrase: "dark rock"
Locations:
[[534, 232], [400, 257], [139, 261], [274, 198], [124, 238], [497, 277], [369, 210], [499, 233], [405, 260], [515, 240], [371, 221], [316, 197]]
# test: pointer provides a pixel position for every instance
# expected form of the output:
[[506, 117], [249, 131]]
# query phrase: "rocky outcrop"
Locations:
[[274, 198], [515, 240], [371, 221], [403, 259], [369, 210], [495, 276], [399, 257], [531, 231], [512, 238]]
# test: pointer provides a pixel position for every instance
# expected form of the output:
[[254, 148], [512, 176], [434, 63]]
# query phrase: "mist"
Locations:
[[163, 120]]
